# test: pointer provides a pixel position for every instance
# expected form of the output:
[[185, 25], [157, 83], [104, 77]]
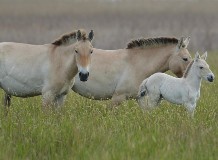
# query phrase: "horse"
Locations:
[[183, 91], [117, 74], [28, 70]]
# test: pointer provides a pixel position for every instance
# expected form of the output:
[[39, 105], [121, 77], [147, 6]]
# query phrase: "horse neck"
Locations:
[[63, 62], [193, 79], [156, 59]]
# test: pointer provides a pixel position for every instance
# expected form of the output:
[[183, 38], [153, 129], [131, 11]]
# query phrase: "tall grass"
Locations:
[[85, 129]]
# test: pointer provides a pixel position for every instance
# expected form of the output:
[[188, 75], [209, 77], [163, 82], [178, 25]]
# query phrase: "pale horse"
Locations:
[[30, 70], [183, 91], [117, 74]]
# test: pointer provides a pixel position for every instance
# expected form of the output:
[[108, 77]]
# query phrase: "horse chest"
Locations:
[[193, 96]]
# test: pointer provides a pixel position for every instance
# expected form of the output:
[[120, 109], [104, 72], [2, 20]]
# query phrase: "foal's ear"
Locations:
[[183, 42], [204, 56], [197, 56], [91, 35], [78, 35]]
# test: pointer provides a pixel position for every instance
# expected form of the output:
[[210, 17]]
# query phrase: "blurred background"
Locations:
[[115, 22]]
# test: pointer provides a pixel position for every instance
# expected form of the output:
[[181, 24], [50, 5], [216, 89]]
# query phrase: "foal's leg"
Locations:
[[190, 108], [153, 100]]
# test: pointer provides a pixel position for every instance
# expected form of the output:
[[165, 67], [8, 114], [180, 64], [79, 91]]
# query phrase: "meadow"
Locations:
[[86, 129]]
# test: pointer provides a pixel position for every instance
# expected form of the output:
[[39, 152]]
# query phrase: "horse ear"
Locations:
[[183, 42], [186, 42], [78, 35], [197, 56], [180, 42], [91, 35], [204, 56]]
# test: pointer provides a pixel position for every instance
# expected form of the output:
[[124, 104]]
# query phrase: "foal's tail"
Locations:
[[142, 93]]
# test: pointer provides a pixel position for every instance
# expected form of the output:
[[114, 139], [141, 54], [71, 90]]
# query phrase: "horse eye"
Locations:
[[91, 51], [185, 59], [76, 51], [201, 67]]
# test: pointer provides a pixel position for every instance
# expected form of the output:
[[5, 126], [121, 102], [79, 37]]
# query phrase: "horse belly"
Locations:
[[93, 89], [20, 89], [172, 93]]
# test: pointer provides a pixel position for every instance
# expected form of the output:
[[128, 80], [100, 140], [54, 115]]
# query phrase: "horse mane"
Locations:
[[69, 38], [150, 42], [188, 69]]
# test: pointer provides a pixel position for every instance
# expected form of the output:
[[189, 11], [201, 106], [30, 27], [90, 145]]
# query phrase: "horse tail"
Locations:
[[142, 92]]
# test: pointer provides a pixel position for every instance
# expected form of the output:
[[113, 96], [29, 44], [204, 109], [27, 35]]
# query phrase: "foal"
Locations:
[[185, 90], [48, 70]]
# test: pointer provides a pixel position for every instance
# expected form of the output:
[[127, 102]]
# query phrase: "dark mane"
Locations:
[[69, 38], [144, 43], [188, 69]]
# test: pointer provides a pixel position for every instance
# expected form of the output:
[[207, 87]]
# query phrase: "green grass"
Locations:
[[84, 129]]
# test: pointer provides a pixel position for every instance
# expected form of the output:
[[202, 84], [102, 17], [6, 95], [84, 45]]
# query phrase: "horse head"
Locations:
[[83, 50], [179, 61]]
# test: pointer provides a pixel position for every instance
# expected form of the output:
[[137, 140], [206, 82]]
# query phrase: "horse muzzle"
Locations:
[[83, 76], [210, 78]]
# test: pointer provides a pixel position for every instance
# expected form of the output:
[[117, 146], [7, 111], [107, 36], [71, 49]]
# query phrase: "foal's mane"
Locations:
[[69, 38], [150, 42], [188, 69]]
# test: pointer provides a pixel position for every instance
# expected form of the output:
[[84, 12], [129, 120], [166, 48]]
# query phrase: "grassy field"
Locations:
[[85, 129]]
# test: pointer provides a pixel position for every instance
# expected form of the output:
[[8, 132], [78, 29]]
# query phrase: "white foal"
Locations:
[[184, 91]]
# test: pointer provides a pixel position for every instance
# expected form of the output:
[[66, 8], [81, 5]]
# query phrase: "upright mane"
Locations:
[[150, 42], [188, 69], [69, 38]]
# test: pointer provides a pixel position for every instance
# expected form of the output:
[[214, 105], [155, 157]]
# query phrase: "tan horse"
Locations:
[[117, 74], [48, 70]]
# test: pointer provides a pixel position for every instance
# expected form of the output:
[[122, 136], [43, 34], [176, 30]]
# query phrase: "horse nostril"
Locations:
[[83, 76], [210, 78]]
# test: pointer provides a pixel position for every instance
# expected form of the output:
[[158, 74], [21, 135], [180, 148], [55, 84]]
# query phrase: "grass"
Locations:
[[85, 129]]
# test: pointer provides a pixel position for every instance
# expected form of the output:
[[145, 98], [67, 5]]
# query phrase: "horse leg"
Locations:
[[7, 102], [59, 101], [117, 100], [48, 99], [191, 109], [153, 100]]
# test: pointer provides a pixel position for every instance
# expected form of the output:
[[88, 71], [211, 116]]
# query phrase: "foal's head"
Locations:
[[179, 61], [83, 50], [202, 68]]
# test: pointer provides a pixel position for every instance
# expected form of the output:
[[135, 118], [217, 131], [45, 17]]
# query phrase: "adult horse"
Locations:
[[30, 70], [117, 74]]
